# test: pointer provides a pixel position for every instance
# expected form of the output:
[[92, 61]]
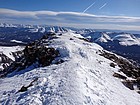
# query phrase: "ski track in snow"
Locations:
[[85, 78]]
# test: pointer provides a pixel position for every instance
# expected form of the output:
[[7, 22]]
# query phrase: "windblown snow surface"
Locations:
[[85, 78]]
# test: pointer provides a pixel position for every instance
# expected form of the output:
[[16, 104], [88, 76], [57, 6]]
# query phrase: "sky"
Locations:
[[96, 14]]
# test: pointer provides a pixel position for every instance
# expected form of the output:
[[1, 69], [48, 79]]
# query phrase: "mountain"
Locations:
[[124, 39], [34, 28], [124, 44], [127, 39], [98, 37], [18, 34], [83, 73]]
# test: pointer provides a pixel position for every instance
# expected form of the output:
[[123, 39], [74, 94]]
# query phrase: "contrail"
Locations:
[[103, 6], [88, 7]]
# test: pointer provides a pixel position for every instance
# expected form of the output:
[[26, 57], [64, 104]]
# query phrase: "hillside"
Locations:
[[124, 44], [84, 78]]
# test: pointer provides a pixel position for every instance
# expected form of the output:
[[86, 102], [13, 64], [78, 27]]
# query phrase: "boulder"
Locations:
[[112, 65]]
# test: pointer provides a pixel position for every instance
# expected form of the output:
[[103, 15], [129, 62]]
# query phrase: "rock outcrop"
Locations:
[[35, 52], [4, 61], [128, 68]]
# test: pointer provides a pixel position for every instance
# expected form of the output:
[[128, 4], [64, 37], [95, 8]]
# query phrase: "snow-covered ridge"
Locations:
[[36, 28], [85, 78], [16, 41], [98, 36], [127, 39], [124, 39], [7, 25]]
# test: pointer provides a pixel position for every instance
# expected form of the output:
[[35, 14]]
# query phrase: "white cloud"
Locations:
[[103, 5], [14, 13], [69, 19], [88, 7]]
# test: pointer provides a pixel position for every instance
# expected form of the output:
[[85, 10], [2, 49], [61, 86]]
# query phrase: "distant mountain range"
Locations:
[[123, 43], [125, 39], [35, 28], [13, 34]]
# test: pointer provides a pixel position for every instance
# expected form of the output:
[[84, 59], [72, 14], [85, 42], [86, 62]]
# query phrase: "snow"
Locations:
[[33, 30], [7, 25], [8, 51], [85, 78], [127, 39], [99, 36], [124, 39], [16, 41], [51, 30]]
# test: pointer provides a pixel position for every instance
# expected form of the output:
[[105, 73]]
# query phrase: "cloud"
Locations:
[[88, 7], [103, 5], [17, 14], [73, 19]]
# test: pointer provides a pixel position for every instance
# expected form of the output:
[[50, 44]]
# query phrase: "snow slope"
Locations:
[[85, 78]]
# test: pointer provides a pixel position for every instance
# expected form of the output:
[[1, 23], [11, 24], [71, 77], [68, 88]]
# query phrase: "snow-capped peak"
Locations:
[[7, 25], [98, 36]]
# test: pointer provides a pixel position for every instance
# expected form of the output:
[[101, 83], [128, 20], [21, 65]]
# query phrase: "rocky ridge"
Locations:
[[36, 52], [131, 77]]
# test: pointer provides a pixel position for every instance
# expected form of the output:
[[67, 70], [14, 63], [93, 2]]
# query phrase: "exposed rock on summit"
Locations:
[[35, 52]]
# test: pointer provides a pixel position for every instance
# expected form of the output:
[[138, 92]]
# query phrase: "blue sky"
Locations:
[[101, 14]]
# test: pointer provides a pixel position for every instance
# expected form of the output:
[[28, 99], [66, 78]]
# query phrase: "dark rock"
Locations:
[[119, 76], [84, 39], [5, 59], [34, 52], [71, 39], [112, 65], [59, 61], [5, 62], [129, 84], [23, 89], [126, 67], [60, 34], [41, 54], [138, 91], [17, 54]]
